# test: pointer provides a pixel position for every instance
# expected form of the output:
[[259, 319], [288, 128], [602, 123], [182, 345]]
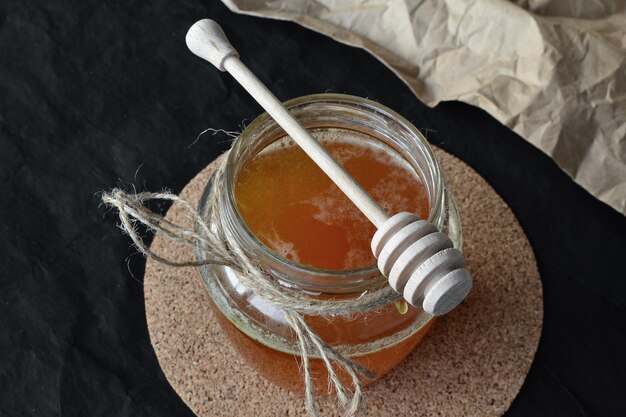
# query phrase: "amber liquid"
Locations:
[[296, 211]]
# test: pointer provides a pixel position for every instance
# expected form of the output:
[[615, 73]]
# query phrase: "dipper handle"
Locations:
[[207, 40]]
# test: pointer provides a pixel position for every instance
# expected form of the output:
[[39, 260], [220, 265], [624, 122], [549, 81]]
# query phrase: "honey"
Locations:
[[297, 211], [285, 369]]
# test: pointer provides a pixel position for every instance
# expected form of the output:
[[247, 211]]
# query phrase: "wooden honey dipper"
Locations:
[[419, 261]]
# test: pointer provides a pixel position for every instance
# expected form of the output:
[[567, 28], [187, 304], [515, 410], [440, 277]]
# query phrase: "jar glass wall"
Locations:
[[377, 339]]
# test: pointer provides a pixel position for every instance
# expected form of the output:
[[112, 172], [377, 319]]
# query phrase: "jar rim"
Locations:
[[436, 199]]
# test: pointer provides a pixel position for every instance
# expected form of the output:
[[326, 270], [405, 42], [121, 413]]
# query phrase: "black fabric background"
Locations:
[[97, 93]]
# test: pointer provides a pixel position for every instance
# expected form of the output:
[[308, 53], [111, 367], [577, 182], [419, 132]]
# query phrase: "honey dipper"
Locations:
[[419, 261]]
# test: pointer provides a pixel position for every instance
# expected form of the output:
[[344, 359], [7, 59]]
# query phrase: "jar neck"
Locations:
[[329, 111]]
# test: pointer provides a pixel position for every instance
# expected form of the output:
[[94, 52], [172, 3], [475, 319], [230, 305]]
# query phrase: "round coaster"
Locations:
[[471, 363]]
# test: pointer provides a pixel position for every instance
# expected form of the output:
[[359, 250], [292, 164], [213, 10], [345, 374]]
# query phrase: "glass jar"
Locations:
[[378, 339]]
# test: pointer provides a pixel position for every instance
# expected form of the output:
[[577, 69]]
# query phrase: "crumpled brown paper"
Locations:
[[553, 71]]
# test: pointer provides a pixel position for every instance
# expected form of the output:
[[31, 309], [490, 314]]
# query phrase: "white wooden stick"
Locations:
[[421, 262], [207, 40]]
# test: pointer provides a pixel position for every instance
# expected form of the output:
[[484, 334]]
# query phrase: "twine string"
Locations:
[[218, 246]]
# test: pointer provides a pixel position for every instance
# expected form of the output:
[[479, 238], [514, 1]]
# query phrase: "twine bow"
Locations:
[[216, 245]]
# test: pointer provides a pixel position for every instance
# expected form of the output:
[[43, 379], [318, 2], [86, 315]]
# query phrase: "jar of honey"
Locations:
[[298, 227]]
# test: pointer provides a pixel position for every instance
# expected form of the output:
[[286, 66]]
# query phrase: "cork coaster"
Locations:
[[472, 362]]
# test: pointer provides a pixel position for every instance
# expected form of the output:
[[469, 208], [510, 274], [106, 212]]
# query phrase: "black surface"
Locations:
[[94, 92]]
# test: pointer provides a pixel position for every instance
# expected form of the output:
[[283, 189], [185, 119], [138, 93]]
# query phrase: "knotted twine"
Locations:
[[216, 245]]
